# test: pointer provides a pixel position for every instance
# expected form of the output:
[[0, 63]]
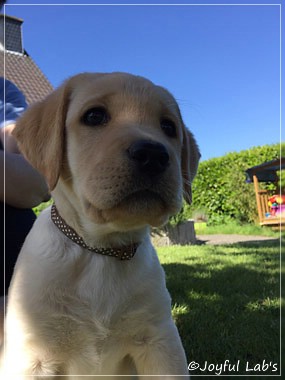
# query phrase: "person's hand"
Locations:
[[8, 140]]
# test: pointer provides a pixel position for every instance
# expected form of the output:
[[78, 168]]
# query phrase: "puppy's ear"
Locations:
[[40, 134], [189, 162]]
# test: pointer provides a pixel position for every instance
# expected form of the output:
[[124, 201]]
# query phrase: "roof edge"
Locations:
[[4, 15]]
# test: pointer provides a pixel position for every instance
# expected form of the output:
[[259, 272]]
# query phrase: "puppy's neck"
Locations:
[[93, 234]]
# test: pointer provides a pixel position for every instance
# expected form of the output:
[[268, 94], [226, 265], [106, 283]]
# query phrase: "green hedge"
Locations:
[[220, 191]]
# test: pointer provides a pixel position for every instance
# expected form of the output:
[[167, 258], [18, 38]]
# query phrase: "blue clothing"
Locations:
[[12, 102], [18, 222]]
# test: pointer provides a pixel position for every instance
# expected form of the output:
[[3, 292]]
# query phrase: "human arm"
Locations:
[[23, 186]]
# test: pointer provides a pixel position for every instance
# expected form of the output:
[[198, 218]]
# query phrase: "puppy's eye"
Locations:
[[95, 116], [168, 127]]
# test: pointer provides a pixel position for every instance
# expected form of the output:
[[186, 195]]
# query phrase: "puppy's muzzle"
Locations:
[[150, 157]]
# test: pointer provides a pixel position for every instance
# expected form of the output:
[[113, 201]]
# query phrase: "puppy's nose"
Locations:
[[150, 157]]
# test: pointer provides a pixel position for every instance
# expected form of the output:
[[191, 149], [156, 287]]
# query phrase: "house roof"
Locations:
[[23, 71], [16, 64], [266, 172]]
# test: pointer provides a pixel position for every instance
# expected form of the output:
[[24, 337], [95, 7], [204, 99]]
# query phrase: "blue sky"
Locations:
[[221, 62]]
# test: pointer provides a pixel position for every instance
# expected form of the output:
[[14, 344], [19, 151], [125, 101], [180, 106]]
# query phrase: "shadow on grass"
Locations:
[[256, 242], [229, 311]]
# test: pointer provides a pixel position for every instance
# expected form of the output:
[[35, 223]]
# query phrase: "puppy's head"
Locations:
[[117, 142]]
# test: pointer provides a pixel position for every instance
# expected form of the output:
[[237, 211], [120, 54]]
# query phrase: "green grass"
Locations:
[[226, 303], [234, 228], [38, 209]]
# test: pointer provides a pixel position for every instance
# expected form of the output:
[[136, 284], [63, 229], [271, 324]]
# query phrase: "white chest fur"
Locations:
[[76, 312]]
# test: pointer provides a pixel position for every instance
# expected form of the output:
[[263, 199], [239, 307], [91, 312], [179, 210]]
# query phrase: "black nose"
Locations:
[[150, 157]]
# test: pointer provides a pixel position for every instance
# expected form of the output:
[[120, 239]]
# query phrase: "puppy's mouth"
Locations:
[[143, 196], [145, 206], [140, 207], [128, 198]]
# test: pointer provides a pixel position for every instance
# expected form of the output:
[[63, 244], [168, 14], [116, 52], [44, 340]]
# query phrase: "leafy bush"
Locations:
[[220, 188]]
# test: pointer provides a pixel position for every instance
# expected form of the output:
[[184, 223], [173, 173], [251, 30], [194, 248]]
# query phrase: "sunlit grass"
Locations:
[[226, 302], [234, 228]]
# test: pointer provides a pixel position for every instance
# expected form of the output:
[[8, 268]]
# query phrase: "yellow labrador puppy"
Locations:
[[88, 295]]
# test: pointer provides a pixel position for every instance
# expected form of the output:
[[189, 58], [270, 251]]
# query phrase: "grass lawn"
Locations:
[[226, 305], [234, 228]]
